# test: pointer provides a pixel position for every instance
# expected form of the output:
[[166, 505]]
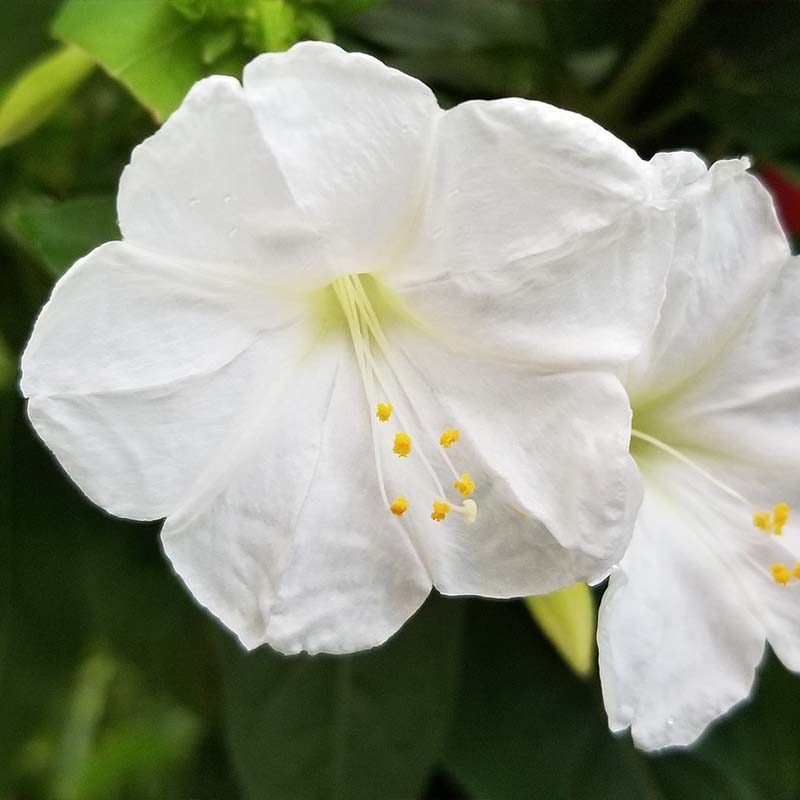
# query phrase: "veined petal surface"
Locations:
[[354, 139], [556, 492], [729, 249], [745, 402], [206, 187], [683, 622], [139, 365], [540, 240], [289, 541]]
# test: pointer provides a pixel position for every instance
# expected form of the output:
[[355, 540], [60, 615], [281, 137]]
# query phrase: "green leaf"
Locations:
[[60, 233], [86, 707], [8, 370], [345, 728], [140, 748], [41, 90], [147, 45], [526, 727], [23, 27], [568, 619], [749, 86]]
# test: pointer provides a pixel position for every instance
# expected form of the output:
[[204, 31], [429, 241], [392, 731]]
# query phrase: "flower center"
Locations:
[[386, 394], [770, 522]]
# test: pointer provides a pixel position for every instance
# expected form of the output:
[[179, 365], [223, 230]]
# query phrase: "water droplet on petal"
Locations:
[[193, 201], [233, 231], [670, 722], [226, 199]]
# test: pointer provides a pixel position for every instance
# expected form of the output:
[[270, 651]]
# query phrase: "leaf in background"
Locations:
[[138, 750], [469, 47], [526, 727], [8, 370], [147, 45], [72, 577], [41, 90], [84, 715], [748, 79], [569, 620], [345, 728], [61, 232], [23, 29]]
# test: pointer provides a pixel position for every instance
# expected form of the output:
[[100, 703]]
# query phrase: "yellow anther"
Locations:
[[780, 515], [450, 436], [466, 485], [384, 411], [780, 573], [772, 522], [796, 571], [762, 520], [440, 510], [402, 444], [399, 506]]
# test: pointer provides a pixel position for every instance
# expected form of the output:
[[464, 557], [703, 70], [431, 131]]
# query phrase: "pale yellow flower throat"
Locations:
[[365, 330], [770, 522]]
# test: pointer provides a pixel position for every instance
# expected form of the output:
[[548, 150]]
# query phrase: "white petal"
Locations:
[[137, 368], [729, 249], [294, 546], [683, 622], [353, 138], [556, 488], [206, 187], [745, 401], [540, 240]]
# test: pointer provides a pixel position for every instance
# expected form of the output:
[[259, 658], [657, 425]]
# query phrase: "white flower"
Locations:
[[301, 253], [711, 572]]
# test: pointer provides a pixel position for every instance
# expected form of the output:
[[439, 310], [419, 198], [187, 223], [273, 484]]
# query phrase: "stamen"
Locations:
[[466, 485], [769, 522], [763, 520], [399, 506], [689, 463], [449, 437], [780, 516], [402, 445], [772, 522], [364, 327], [780, 574], [362, 353]]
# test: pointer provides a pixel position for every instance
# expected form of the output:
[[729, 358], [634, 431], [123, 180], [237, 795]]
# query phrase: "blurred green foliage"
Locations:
[[113, 684]]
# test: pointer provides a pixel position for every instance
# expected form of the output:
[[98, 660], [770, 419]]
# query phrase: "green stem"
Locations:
[[672, 20]]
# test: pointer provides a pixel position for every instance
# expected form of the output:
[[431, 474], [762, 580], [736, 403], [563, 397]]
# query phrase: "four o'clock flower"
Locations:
[[352, 346], [712, 571]]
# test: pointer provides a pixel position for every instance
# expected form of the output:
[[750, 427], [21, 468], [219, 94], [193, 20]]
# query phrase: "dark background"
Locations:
[[113, 684]]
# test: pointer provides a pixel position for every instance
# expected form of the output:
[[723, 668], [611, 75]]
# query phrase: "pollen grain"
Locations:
[[780, 574], [449, 437], [399, 506], [440, 510], [466, 485], [402, 445]]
